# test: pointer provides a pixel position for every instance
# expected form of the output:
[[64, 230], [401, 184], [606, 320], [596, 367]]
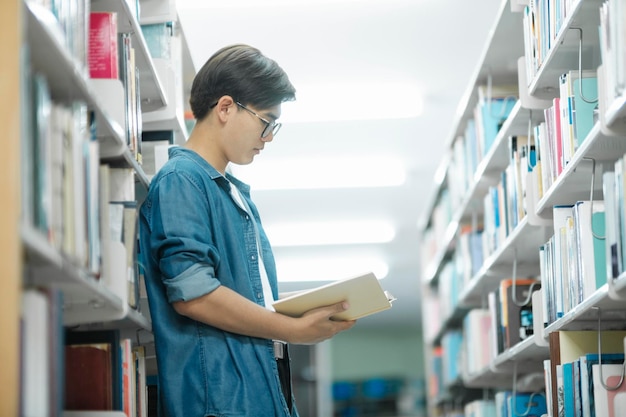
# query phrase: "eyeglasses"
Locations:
[[270, 127]]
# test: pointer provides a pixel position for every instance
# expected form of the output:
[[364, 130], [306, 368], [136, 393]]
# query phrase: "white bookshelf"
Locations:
[[520, 249]]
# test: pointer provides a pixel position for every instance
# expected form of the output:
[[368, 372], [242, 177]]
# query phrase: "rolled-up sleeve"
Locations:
[[195, 282]]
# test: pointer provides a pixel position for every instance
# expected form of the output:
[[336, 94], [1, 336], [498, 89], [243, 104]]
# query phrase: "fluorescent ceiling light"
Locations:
[[330, 233], [318, 173], [308, 269], [347, 100], [238, 4]]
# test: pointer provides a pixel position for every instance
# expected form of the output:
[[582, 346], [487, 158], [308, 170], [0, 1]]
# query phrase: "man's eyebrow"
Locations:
[[272, 116]]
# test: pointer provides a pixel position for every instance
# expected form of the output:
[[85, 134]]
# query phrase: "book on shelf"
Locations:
[[128, 378], [497, 331], [36, 369], [451, 352], [586, 362], [93, 370], [613, 46], [554, 136], [521, 404], [363, 293], [129, 75], [158, 39], [609, 390], [590, 248], [495, 103], [562, 217], [103, 48], [480, 408], [578, 98], [612, 260], [141, 387], [477, 340], [522, 160], [517, 309]]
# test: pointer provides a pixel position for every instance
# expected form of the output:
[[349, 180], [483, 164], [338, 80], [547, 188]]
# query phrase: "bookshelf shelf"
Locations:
[[486, 175], [574, 183], [525, 358], [521, 246], [563, 54], [617, 288], [584, 316], [85, 299], [152, 91], [532, 349]]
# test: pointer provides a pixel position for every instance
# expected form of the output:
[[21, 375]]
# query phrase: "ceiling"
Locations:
[[433, 45]]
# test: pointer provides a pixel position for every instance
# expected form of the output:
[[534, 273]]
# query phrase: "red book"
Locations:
[[88, 377], [103, 52]]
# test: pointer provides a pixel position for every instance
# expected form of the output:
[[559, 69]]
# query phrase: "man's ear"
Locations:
[[224, 107]]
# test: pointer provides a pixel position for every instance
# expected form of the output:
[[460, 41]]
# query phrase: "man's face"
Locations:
[[247, 140]]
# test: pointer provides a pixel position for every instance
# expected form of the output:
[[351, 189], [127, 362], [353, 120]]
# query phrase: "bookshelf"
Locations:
[[10, 38], [463, 284], [67, 180]]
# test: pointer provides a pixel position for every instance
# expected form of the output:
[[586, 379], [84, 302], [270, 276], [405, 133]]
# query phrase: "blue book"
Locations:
[[583, 105], [598, 226], [494, 116], [568, 389], [526, 404]]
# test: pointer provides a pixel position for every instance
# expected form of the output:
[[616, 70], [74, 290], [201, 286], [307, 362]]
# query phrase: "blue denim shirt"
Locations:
[[194, 238]]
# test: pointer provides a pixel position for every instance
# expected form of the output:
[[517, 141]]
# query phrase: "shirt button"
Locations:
[[259, 295], [252, 257]]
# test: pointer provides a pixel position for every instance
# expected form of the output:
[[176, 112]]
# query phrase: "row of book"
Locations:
[[505, 322], [573, 260], [508, 404], [80, 205], [60, 162], [494, 105], [613, 46], [614, 189], [65, 369], [567, 123], [72, 26], [581, 380], [492, 109], [543, 21]]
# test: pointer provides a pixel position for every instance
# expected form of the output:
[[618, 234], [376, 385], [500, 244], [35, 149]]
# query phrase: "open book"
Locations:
[[363, 293]]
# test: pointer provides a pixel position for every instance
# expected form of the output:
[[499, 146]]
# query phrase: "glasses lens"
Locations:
[[276, 129], [271, 127]]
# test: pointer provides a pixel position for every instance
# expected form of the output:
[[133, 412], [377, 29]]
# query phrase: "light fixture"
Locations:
[[247, 4], [309, 269], [329, 232], [307, 173], [345, 100]]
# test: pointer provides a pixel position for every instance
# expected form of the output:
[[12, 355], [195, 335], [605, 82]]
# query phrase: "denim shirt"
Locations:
[[194, 238]]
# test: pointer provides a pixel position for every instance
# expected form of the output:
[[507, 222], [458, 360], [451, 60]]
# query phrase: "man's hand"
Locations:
[[318, 325]]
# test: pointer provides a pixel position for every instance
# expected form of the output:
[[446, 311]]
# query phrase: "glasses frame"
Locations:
[[270, 127]]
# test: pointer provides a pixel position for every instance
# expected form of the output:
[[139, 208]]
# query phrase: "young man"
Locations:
[[209, 269]]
